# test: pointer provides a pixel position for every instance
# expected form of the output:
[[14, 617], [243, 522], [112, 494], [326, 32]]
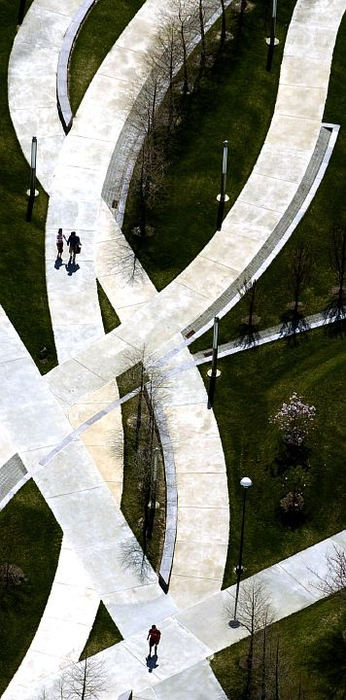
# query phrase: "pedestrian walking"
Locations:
[[154, 636], [74, 244], [59, 243]]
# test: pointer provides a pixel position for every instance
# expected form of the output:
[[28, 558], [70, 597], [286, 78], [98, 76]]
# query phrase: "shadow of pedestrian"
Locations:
[[71, 268], [151, 662], [58, 263]]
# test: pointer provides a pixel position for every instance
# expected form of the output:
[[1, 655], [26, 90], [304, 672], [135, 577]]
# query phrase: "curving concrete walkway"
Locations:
[[195, 634], [32, 82], [86, 151], [64, 627], [82, 504], [75, 202]]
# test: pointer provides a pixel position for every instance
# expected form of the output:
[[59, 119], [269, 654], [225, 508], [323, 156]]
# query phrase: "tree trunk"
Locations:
[[203, 55], [223, 24]]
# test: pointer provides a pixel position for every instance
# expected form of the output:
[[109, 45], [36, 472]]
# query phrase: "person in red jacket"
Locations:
[[154, 636]]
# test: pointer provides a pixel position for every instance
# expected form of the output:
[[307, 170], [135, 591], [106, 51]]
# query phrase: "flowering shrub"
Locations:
[[294, 420], [293, 502]]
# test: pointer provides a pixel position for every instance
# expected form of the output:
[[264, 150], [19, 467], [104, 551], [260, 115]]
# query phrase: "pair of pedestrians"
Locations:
[[73, 242]]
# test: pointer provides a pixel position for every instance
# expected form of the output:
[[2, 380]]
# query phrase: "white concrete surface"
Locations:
[[64, 627], [32, 82], [194, 634]]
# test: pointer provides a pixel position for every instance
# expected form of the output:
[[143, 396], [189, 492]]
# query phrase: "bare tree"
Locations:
[[299, 270], [248, 329], [336, 307], [335, 580], [150, 166], [85, 680], [255, 615], [223, 32], [133, 558]]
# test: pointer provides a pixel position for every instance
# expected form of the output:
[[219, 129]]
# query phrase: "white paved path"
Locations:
[[75, 491], [32, 82], [191, 636], [86, 151]]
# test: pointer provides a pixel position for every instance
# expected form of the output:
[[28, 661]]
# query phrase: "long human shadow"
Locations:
[[151, 662]]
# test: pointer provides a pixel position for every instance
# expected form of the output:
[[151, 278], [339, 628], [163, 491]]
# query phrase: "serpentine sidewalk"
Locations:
[[74, 489], [32, 82], [86, 152], [196, 633]]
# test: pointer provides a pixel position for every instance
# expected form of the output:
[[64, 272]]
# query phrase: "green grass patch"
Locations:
[[137, 472], [235, 102], [110, 319], [326, 213], [101, 29], [312, 649], [252, 387], [31, 539], [23, 292], [104, 633]]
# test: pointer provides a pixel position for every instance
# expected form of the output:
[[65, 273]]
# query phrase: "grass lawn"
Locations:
[[104, 633], [251, 389], [110, 319], [137, 470], [31, 539], [101, 29], [235, 102], [22, 266], [327, 212], [312, 656]]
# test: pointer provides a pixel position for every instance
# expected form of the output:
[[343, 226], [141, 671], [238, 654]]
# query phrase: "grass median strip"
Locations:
[[30, 540], [23, 292], [235, 102]]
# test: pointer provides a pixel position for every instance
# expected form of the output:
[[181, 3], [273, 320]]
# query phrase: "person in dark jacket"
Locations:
[[74, 244]]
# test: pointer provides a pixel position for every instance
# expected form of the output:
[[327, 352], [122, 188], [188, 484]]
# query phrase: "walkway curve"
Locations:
[[186, 297], [195, 634], [32, 82], [280, 167]]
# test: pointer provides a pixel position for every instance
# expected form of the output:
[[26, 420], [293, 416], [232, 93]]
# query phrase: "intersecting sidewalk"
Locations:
[[76, 191], [196, 633]]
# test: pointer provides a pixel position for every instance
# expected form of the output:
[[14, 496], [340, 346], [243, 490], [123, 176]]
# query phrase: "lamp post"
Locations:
[[272, 40], [222, 197], [32, 192], [245, 482], [213, 372]]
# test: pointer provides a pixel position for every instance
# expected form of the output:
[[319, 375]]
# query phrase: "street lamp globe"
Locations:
[[245, 482]]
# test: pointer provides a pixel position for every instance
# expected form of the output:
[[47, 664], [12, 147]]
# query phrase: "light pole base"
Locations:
[[234, 624], [218, 197], [267, 40], [210, 372]]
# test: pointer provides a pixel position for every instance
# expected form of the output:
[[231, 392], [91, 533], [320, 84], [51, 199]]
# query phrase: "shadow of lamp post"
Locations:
[[245, 482]]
